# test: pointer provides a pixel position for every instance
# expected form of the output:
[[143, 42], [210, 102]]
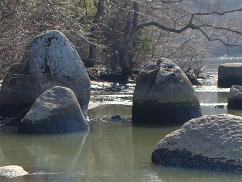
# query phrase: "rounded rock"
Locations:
[[50, 60], [55, 111], [229, 74], [209, 142], [235, 97], [163, 95], [12, 171]]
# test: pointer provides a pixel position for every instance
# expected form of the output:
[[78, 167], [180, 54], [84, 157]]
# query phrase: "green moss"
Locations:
[[91, 8]]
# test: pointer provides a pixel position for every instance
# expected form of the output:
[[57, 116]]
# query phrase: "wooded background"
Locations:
[[121, 35]]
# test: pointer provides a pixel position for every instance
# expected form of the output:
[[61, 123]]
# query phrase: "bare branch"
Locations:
[[191, 25]]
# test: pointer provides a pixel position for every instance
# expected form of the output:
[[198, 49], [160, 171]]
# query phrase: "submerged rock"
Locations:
[[55, 111], [229, 74], [116, 118], [12, 171], [235, 97], [210, 142], [50, 60], [163, 95]]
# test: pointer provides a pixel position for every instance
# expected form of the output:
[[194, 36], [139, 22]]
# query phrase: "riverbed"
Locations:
[[112, 151]]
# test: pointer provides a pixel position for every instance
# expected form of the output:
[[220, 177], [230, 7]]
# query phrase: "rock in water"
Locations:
[[210, 142], [235, 97], [116, 118], [50, 60], [163, 95], [55, 111], [229, 74], [12, 171]]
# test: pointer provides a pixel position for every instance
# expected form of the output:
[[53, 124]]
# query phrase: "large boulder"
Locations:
[[50, 60], [229, 74], [163, 95], [55, 111], [210, 142], [12, 171], [235, 97]]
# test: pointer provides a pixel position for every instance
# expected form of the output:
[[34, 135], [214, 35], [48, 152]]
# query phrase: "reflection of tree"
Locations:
[[110, 156], [53, 152], [105, 154]]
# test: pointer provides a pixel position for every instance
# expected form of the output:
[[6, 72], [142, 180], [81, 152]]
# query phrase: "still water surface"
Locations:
[[111, 152]]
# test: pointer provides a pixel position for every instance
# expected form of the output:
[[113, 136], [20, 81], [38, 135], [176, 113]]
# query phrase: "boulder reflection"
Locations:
[[43, 152]]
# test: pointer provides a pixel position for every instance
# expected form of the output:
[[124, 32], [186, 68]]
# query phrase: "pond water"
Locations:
[[111, 152]]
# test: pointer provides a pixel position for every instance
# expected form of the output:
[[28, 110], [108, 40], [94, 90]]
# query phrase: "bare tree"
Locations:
[[90, 62], [186, 23], [120, 32]]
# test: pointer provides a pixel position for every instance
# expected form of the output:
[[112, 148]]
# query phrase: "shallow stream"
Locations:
[[112, 151]]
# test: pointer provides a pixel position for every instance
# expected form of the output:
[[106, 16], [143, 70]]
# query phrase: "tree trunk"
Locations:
[[125, 63], [92, 58], [91, 61], [125, 52]]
